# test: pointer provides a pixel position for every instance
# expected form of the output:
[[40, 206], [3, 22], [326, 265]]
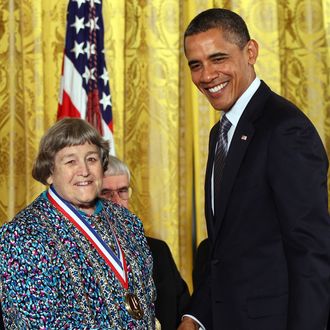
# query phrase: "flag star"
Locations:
[[105, 76], [78, 48], [105, 101], [87, 74], [90, 49], [92, 24], [79, 2], [92, 73], [78, 24]]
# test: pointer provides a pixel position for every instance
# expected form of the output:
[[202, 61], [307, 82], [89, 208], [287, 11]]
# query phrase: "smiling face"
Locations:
[[77, 175], [220, 69]]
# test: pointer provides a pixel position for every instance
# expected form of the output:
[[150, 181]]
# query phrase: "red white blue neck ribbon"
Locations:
[[116, 262]]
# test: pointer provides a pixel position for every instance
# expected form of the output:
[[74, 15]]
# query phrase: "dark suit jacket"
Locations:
[[201, 262], [172, 291], [2, 326], [270, 239]]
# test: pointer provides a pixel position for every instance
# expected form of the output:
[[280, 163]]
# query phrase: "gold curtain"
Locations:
[[161, 123]]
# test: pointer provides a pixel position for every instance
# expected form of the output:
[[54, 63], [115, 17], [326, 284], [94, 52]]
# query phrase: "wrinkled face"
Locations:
[[113, 187], [220, 69], [77, 175]]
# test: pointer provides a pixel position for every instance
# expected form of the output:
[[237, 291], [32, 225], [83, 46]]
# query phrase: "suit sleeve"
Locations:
[[202, 291], [298, 173], [181, 287]]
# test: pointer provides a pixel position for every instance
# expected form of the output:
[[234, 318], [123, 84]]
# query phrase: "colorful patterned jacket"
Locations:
[[53, 278]]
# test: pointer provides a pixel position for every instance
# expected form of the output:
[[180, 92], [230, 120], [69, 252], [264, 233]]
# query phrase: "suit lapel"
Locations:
[[238, 147], [242, 137]]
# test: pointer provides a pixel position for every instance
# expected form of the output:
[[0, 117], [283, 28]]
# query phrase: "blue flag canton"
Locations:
[[84, 46]]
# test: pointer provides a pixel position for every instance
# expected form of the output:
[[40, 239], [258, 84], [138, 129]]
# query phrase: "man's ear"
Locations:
[[253, 51]]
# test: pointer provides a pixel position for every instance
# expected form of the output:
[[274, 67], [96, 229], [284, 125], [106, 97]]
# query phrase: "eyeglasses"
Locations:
[[124, 193]]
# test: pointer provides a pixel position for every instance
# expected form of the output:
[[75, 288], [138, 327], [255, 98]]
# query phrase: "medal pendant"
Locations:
[[133, 306]]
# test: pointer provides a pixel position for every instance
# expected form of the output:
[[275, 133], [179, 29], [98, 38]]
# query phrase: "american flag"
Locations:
[[85, 88]]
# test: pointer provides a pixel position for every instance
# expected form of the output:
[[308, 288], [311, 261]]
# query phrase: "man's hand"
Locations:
[[188, 324]]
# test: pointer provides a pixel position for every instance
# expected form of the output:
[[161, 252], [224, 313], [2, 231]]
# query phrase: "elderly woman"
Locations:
[[70, 260]]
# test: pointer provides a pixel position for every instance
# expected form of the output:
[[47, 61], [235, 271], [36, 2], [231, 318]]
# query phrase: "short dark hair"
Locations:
[[65, 133], [232, 25]]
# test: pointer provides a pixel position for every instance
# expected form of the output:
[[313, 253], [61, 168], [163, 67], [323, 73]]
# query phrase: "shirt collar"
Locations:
[[235, 113]]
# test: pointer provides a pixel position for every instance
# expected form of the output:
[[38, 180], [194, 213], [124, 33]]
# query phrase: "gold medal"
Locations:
[[133, 306]]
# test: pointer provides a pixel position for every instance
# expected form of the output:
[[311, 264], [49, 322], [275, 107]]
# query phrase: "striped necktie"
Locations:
[[220, 155]]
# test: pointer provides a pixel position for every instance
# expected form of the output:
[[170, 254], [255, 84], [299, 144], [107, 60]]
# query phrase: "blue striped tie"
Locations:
[[220, 155]]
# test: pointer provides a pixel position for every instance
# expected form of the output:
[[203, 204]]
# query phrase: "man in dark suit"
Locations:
[[172, 291], [267, 217]]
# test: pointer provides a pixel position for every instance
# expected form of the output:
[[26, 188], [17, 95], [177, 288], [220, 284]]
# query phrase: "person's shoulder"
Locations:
[[123, 219], [204, 244], [157, 243], [26, 219], [279, 106], [26, 236], [203, 249], [115, 208], [272, 112], [110, 205], [121, 213], [160, 250]]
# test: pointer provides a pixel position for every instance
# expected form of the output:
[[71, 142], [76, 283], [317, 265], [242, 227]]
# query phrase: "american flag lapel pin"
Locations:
[[244, 137]]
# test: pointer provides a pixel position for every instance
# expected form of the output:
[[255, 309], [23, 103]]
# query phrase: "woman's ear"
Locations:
[[50, 180]]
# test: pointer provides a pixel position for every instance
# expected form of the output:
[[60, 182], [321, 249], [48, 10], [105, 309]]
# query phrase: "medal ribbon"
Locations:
[[117, 264]]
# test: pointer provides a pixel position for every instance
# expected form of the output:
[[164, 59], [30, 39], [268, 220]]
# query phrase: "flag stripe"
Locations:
[[84, 75]]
